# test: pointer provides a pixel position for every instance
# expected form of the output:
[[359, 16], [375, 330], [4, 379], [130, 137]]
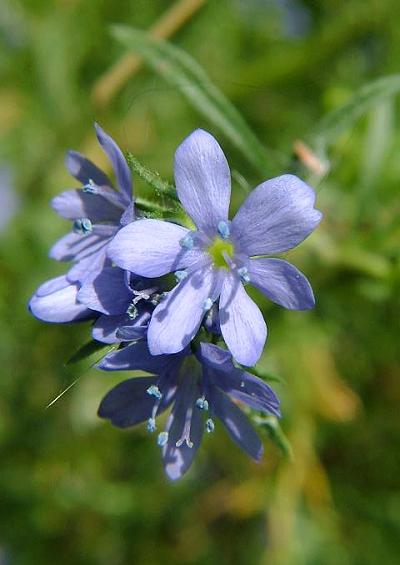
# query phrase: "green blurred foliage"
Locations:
[[76, 491]]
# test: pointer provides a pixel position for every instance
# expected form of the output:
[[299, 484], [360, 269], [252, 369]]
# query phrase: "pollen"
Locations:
[[221, 250]]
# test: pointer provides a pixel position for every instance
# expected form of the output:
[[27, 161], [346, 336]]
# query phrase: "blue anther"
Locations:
[[187, 242], [89, 187], [153, 390], [132, 311], [210, 426], [180, 275], [151, 425], [82, 226], [202, 403], [162, 438], [223, 229], [244, 274], [207, 304]]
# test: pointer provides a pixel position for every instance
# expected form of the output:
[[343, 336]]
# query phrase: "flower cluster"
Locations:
[[118, 278]]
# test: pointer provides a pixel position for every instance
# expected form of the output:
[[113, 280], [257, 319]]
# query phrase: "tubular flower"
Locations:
[[216, 260], [97, 210], [198, 387]]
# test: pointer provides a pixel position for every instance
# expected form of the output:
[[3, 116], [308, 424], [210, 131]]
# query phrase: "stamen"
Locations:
[[223, 229], [187, 242], [162, 438], [153, 390], [207, 304], [132, 311], [151, 425], [90, 187], [180, 275], [210, 426], [82, 226], [244, 274], [202, 403]]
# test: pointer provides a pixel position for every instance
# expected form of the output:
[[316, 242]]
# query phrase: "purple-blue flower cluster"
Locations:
[[191, 338]]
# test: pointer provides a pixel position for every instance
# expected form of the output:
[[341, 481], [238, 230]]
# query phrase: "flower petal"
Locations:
[[73, 246], [178, 459], [89, 266], [236, 423], [138, 356], [282, 283], [74, 204], [60, 305], [107, 292], [239, 384], [276, 216], [84, 170], [128, 403], [150, 248], [106, 328], [177, 318], [242, 323], [203, 180], [118, 161]]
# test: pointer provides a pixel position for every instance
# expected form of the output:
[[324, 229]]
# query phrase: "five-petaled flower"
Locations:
[[215, 260], [199, 387]]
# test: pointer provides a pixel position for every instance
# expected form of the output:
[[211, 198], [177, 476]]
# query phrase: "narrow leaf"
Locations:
[[340, 119], [181, 71]]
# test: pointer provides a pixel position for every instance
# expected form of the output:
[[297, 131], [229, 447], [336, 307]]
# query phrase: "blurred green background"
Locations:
[[73, 490]]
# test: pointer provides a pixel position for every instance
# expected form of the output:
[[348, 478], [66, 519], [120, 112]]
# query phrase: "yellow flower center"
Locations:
[[219, 249]]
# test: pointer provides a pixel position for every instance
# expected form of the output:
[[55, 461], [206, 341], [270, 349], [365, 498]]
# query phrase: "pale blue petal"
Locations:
[[203, 180], [59, 305], [275, 217], [150, 248], [282, 283], [242, 324], [75, 204], [177, 318]]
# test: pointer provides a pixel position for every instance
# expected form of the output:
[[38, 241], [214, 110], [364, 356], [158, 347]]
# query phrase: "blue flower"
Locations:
[[199, 389], [97, 210], [219, 257]]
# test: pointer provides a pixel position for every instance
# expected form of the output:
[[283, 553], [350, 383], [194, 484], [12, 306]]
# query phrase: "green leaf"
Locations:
[[271, 426], [340, 119], [88, 355], [181, 71]]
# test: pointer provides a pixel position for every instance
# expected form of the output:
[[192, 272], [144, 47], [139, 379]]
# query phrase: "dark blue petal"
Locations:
[[239, 384], [137, 356], [236, 423], [84, 170], [118, 161], [73, 204], [185, 414], [107, 292], [129, 403]]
